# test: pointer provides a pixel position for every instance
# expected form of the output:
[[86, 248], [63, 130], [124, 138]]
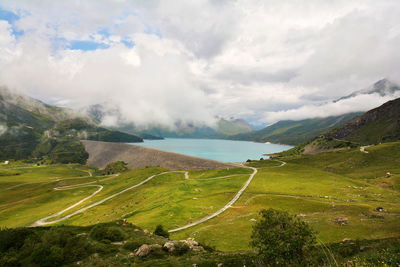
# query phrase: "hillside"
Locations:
[[31, 128], [295, 132], [378, 125]]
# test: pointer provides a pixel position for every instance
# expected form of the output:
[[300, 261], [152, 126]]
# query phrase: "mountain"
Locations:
[[31, 128], [295, 132], [378, 125], [382, 87], [223, 129]]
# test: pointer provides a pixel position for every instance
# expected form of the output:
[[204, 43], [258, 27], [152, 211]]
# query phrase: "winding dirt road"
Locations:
[[45, 221]]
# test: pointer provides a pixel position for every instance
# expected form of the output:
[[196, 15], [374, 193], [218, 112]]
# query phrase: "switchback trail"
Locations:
[[45, 221]]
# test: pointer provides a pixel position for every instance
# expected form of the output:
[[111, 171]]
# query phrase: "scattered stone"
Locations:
[[193, 245], [219, 264], [143, 251], [169, 246], [380, 209], [253, 220], [118, 243], [198, 249], [347, 240], [95, 255], [131, 254], [195, 198], [301, 215], [342, 221], [197, 189], [147, 232], [388, 174], [137, 230], [191, 242]]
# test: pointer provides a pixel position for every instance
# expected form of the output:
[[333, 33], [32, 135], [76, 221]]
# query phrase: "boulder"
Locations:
[[147, 232], [143, 251], [193, 245], [169, 246]]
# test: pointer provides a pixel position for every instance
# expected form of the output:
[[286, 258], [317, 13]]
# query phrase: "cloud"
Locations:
[[159, 62], [354, 104]]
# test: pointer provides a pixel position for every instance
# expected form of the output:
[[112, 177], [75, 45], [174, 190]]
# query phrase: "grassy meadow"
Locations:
[[337, 193]]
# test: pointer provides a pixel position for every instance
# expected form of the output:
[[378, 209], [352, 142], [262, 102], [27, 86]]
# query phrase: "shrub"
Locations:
[[160, 231], [116, 167], [132, 244], [45, 256], [102, 233], [181, 248], [282, 239]]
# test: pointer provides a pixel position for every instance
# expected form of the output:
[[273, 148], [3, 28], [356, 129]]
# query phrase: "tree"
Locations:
[[160, 231], [116, 167], [281, 238]]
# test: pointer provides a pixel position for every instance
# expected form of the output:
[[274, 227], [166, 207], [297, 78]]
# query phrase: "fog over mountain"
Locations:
[[161, 62]]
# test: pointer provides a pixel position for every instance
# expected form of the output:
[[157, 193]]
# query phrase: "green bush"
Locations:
[[132, 244], [160, 231], [181, 248], [282, 239], [102, 233], [116, 167]]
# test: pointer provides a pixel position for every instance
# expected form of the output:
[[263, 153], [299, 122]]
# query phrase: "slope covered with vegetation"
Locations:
[[295, 132], [338, 194], [378, 125], [30, 128]]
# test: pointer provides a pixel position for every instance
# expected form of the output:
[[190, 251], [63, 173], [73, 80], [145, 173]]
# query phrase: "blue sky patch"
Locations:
[[86, 45], [8, 15]]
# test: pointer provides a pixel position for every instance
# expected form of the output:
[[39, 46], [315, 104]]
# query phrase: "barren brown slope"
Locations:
[[102, 153]]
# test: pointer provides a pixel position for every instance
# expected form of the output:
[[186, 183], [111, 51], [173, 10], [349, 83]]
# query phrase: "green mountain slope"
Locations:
[[378, 125], [31, 128], [295, 132]]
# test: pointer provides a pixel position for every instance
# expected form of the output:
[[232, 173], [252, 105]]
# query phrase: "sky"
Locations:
[[159, 62]]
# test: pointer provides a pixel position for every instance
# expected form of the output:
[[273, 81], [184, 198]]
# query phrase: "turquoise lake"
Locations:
[[221, 150]]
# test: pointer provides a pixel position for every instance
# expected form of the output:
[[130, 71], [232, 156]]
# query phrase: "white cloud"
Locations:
[[260, 60], [354, 104]]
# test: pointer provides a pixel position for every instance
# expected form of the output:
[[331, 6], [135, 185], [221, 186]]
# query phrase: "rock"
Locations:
[[147, 232], [193, 245], [137, 230], [380, 209], [253, 220], [195, 198], [341, 221], [198, 249], [95, 255], [219, 264], [169, 246], [301, 215], [191, 242], [143, 251], [131, 254], [347, 240], [388, 174]]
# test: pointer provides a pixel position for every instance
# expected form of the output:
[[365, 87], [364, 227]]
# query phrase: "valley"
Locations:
[[322, 189]]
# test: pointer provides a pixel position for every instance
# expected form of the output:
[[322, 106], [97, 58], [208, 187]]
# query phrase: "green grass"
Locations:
[[320, 188]]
